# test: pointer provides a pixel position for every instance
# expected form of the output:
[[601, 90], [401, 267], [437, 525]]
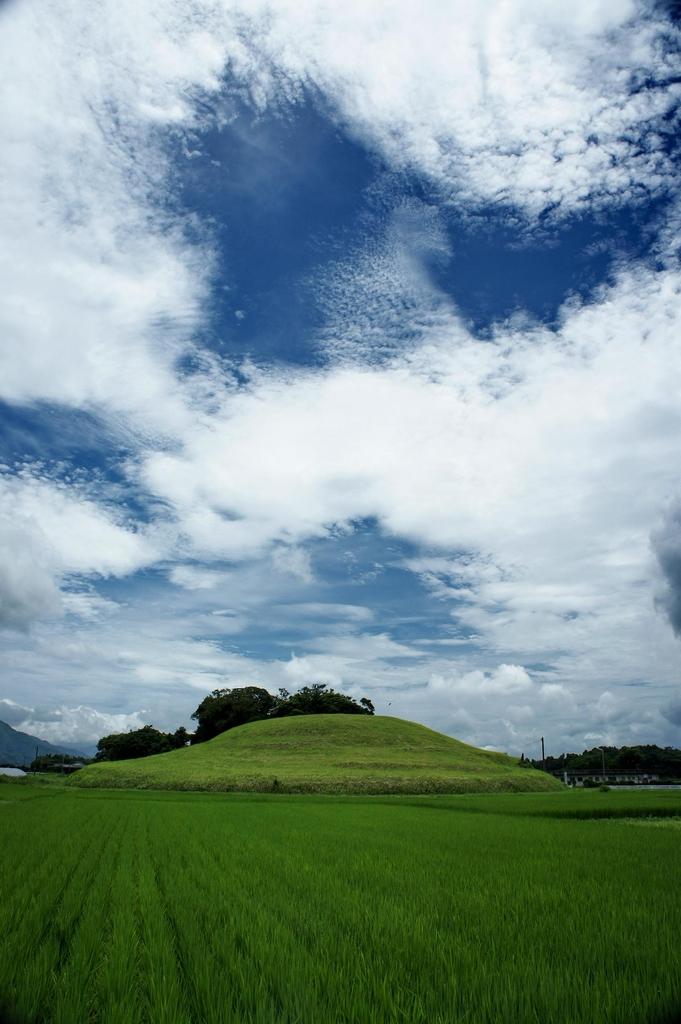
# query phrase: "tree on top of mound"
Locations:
[[225, 709], [318, 699]]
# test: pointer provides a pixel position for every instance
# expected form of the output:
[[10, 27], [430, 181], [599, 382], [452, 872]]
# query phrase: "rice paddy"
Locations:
[[132, 907]]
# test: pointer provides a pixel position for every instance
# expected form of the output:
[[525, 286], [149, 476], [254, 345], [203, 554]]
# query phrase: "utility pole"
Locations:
[[543, 758]]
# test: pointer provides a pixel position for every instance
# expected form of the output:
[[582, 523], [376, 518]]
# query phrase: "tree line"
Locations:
[[226, 709], [663, 761]]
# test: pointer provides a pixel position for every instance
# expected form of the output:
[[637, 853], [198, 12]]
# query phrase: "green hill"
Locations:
[[324, 754]]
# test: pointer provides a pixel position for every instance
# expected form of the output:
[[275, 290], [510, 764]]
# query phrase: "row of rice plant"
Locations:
[[178, 909]]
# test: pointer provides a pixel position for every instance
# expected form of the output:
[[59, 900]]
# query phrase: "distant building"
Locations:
[[631, 776], [65, 769], [14, 772]]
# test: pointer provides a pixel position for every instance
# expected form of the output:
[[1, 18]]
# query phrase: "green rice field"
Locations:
[[127, 907]]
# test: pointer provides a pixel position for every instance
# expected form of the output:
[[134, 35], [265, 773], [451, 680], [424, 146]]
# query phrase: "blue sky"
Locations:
[[342, 346]]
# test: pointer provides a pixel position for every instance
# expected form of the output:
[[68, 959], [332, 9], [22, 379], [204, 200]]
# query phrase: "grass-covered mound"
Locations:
[[324, 754]]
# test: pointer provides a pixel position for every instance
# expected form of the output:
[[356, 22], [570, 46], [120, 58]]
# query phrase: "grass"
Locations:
[[132, 907], [324, 754], [34, 779]]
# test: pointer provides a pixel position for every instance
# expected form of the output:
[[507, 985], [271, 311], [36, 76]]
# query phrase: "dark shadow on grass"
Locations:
[[8, 1016], [673, 1017]]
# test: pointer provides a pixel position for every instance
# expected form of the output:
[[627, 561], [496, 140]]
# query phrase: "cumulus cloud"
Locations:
[[49, 531], [504, 680], [72, 725]]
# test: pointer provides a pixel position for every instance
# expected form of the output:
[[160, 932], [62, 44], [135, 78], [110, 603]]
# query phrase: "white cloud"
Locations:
[[357, 662], [103, 290], [27, 587], [519, 713], [87, 604], [544, 455], [379, 299], [363, 647], [558, 695], [49, 531], [12, 712], [76, 725], [192, 577], [314, 610], [504, 680], [672, 710], [564, 438], [70, 725], [293, 561], [143, 657], [306, 671], [525, 103], [609, 708]]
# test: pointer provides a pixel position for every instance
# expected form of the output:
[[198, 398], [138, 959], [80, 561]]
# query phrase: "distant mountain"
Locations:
[[19, 748]]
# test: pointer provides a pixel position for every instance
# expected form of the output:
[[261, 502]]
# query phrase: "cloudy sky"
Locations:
[[342, 343]]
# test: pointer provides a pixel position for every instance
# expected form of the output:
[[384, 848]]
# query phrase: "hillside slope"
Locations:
[[19, 748], [324, 754]]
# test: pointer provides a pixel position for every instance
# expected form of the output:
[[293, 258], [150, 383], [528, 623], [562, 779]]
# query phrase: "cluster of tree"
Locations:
[[225, 709], [663, 761], [55, 762], [120, 746]]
